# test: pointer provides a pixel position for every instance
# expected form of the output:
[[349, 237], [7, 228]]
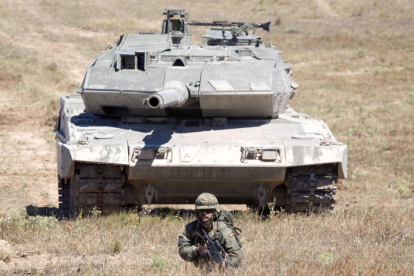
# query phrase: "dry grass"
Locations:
[[360, 241], [354, 63]]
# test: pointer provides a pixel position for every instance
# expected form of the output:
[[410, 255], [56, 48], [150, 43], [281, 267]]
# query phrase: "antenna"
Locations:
[[270, 19], [139, 15]]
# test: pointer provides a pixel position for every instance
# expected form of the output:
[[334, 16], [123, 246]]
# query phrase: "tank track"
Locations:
[[310, 189], [99, 187]]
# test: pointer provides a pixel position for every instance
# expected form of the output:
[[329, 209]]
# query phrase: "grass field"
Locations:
[[354, 63], [357, 241]]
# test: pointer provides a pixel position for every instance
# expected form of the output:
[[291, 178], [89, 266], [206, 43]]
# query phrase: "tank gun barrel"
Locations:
[[264, 26], [174, 93]]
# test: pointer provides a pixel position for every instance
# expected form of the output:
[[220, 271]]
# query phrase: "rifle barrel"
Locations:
[[214, 249], [264, 26], [215, 23]]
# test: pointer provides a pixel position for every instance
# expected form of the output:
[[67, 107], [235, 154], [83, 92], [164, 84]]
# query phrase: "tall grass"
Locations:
[[360, 241]]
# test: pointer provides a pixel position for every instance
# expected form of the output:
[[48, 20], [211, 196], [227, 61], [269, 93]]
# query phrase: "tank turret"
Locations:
[[231, 74]]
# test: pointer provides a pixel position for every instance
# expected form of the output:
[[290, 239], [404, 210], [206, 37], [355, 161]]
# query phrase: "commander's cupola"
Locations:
[[176, 27]]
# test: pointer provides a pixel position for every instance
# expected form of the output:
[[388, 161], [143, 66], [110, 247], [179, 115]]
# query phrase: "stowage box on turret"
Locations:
[[160, 120]]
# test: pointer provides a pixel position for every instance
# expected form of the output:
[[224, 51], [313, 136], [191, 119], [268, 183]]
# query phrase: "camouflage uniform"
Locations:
[[188, 242]]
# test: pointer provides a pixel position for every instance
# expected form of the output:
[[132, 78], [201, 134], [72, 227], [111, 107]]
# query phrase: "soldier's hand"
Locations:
[[203, 252]]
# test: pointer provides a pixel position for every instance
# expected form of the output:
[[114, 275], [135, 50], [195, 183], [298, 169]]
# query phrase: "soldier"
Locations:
[[191, 247]]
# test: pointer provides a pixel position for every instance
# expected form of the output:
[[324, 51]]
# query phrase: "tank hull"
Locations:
[[172, 161]]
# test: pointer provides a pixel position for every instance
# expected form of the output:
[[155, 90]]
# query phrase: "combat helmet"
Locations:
[[207, 201]]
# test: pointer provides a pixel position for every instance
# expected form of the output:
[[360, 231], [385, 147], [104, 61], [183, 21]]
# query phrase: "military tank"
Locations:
[[159, 120]]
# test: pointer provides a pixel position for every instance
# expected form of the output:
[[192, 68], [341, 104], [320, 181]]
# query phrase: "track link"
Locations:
[[310, 189], [99, 187]]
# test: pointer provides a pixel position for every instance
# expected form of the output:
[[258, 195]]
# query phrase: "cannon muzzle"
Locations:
[[174, 93]]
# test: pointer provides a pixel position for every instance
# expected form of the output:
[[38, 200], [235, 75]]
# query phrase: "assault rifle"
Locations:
[[214, 247]]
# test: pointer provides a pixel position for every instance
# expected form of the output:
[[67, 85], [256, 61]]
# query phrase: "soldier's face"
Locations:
[[205, 215]]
